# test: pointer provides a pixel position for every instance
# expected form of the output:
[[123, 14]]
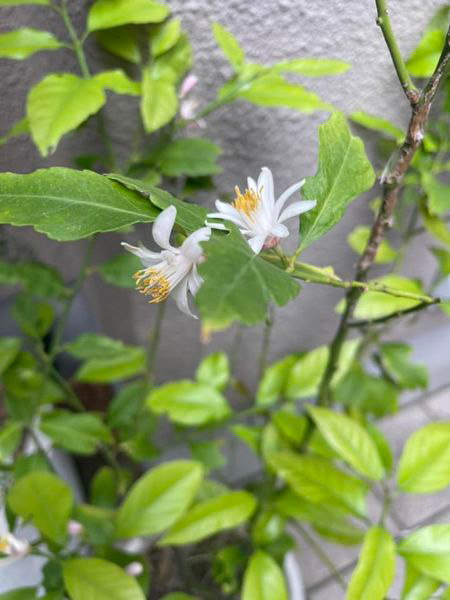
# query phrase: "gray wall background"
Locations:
[[251, 137]]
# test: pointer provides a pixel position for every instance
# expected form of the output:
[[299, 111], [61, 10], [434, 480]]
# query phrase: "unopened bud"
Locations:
[[134, 569], [74, 528]]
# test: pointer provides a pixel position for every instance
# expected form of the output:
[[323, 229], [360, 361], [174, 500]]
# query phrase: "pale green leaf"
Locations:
[[358, 239], [443, 258], [229, 45], [375, 570], [238, 284], [290, 426], [159, 498], [10, 436], [21, 127], [188, 403], [78, 433], [174, 63], [89, 578], [273, 382], [382, 444], [194, 157], [318, 480], [165, 37], [44, 499], [350, 440], [68, 205], [312, 67], [395, 359], [343, 173], [210, 517], [214, 370], [428, 550], [9, 349], [424, 466], [24, 42], [59, 103], [27, 593], [159, 102], [435, 226], [378, 124], [119, 270], [438, 194], [117, 81], [263, 579], [248, 434], [121, 42], [105, 14], [417, 586]]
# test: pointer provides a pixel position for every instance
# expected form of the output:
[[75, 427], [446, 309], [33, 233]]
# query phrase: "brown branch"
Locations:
[[391, 181]]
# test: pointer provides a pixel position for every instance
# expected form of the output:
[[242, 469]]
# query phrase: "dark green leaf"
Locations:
[[189, 156], [104, 488], [10, 436], [121, 42], [119, 270], [78, 433], [19, 128], [9, 349], [34, 318], [38, 279], [208, 454]]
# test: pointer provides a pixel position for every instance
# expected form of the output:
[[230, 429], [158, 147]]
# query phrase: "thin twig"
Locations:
[[262, 362], [153, 341], [399, 313]]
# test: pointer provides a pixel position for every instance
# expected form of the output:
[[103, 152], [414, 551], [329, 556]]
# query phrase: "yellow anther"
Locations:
[[152, 283], [247, 202]]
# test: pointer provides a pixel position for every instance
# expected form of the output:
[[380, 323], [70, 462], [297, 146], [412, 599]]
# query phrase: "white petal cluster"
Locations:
[[173, 270], [12, 548], [258, 215]]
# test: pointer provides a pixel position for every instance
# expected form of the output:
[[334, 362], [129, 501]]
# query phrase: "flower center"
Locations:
[[4, 546], [152, 282], [247, 202]]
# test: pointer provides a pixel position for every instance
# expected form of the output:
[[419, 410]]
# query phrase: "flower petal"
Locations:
[[227, 209], [236, 220], [181, 298], [191, 248], [256, 243], [251, 184], [162, 227], [194, 281], [220, 226], [296, 208], [147, 256], [285, 195], [279, 230], [265, 187]]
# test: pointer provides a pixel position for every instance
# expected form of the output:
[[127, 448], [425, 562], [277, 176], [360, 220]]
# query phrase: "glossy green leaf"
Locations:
[[159, 498], [36, 278], [290, 426], [418, 586], [21, 127], [117, 81], [27, 593], [273, 90], [358, 239], [97, 523], [34, 318], [44, 499], [229, 45], [165, 37], [248, 434], [119, 270], [273, 382], [189, 156], [443, 258], [188, 403], [100, 579], [312, 67], [378, 124], [263, 579], [24, 42], [343, 173], [68, 205], [375, 570], [105, 14], [59, 103], [350, 440], [424, 465], [9, 349], [104, 488], [318, 480], [78, 433], [428, 550], [10, 437], [395, 359], [121, 42], [438, 194], [174, 63], [208, 518], [238, 284], [382, 444], [159, 102], [214, 370], [425, 56], [208, 453]]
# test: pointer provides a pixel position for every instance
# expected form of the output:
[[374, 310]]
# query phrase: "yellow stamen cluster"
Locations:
[[152, 283], [247, 202], [4, 545]]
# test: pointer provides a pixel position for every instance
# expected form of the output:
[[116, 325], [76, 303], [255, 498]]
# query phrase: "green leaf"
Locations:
[[9, 349], [98, 523], [188, 403], [174, 63], [24, 42], [119, 270], [208, 454], [373, 305], [159, 498], [59, 103], [344, 172], [273, 382], [78, 433], [290, 426], [165, 37], [435, 226], [425, 56], [189, 156], [68, 205], [428, 550], [214, 370], [358, 239], [29, 464], [318, 480], [263, 579], [424, 466], [418, 586], [21, 127], [159, 102], [100, 579], [350, 440], [105, 14], [238, 284], [376, 567], [178, 596], [207, 518], [121, 42], [438, 194], [378, 124], [304, 378], [229, 45], [10, 436], [383, 447], [38, 279], [395, 359], [443, 258], [312, 67], [273, 90], [34, 318], [27, 593], [46, 500], [250, 435], [117, 81], [125, 409], [104, 488]]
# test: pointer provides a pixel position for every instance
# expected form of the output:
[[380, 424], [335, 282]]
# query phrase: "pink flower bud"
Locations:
[[187, 85], [74, 528], [134, 569]]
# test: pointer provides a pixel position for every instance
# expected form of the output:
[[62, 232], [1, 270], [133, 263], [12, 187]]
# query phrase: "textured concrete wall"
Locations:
[[286, 141]]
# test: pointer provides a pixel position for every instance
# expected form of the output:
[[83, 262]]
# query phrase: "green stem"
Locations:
[[77, 46], [402, 72], [262, 362], [153, 341], [40, 447], [399, 313]]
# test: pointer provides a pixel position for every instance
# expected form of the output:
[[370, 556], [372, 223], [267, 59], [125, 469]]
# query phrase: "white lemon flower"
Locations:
[[172, 269], [258, 215], [12, 548]]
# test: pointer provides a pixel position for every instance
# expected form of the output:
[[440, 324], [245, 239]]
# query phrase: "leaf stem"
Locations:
[[77, 46], [399, 313]]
